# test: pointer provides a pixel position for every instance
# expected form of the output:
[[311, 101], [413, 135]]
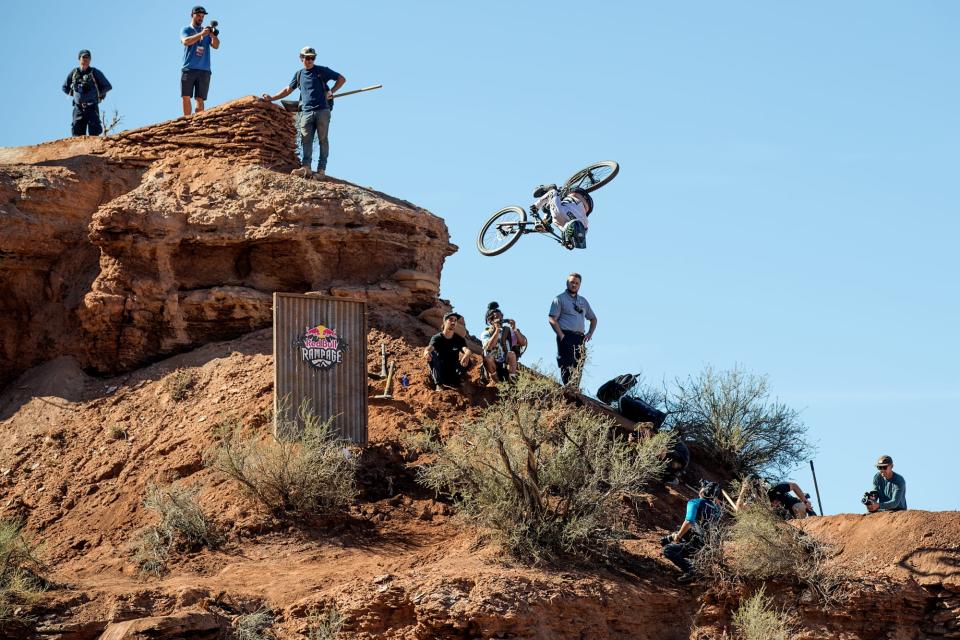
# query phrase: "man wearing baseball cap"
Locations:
[[316, 98], [447, 354], [891, 488], [87, 86], [195, 74]]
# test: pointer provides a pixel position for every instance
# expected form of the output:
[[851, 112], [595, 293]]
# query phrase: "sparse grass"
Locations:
[[183, 527], [761, 546], [117, 432], [20, 569], [325, 625], [254, 626], [545, 476], [756, 619], [311, 474], [179, 383]]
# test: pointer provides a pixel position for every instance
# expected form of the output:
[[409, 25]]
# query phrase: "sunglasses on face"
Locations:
[[309, 57], [882, 467]]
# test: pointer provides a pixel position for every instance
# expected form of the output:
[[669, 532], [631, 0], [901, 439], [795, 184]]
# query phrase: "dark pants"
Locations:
[[86, 120], [679, 553], [569, 351], [446, 373]]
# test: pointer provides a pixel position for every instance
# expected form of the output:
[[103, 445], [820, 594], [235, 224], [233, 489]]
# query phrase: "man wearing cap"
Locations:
[[316, 98], [567, 314], [88, 86], [891, 488], [447, 354], [195, 74]]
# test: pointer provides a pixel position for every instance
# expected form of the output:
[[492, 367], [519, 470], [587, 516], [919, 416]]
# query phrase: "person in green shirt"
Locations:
[[891, 488]]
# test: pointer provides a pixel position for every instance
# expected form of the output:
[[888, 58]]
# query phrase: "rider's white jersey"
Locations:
[[563, 211]]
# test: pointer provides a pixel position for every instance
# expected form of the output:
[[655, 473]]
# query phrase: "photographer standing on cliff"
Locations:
[[316, 99], [87, 86], [195, 75], [889, 489]]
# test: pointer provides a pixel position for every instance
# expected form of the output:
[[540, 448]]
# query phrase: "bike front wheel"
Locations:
[[592, 177], [501, 231]]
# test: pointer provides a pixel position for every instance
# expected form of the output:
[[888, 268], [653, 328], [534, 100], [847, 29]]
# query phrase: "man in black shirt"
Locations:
[[447, 354]]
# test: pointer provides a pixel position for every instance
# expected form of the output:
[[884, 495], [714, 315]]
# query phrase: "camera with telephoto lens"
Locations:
[[667, 539], [213, 27], [870, 497]]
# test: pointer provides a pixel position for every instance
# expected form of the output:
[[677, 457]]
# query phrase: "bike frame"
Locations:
[[537, 220]]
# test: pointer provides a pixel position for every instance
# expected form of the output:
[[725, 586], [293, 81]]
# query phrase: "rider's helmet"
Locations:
[[583, 197], [709, 489]]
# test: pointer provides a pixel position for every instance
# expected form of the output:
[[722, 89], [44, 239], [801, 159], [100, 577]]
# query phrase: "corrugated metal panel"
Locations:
[[320, 358]]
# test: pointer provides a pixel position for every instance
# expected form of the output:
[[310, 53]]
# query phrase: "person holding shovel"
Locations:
[[315, 101]]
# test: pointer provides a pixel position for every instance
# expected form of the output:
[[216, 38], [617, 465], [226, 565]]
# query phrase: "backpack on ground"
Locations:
[[612, 390], [637, 410]]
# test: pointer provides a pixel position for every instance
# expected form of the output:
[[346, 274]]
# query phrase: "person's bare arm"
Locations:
[[214, 41], [195, 38], [556, 326], [684, 528], [283, 93], [593, 327]]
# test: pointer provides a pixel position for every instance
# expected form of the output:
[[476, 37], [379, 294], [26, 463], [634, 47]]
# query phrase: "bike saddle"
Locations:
[[543, 189]]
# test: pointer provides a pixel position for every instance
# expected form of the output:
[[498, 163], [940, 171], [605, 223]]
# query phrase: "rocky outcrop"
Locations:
[[120, 250]]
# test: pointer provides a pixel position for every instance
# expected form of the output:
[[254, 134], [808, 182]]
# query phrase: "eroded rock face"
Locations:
[[120, 250]]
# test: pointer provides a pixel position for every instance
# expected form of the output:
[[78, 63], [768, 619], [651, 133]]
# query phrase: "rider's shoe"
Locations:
[[542, 190]]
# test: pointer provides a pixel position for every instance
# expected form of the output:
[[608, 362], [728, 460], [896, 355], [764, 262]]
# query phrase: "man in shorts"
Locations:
[[195, 75]]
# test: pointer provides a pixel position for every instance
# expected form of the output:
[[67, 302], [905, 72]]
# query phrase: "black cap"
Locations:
[[709, 489], [452, 314], [83, 52], [198, 9], [883, 460]]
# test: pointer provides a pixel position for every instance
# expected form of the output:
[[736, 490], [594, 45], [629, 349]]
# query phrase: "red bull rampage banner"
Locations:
[[321, 347]]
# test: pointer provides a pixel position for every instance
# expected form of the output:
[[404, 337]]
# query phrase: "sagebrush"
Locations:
[[756, 619], [21, 583], [254, 626], [313, 473], [183, 526], [179, 384], [325, 624], [545, 476]]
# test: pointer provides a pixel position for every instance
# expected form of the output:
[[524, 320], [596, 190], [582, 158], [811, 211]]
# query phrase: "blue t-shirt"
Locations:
[[702, 511], [197, 55], [313, 87]]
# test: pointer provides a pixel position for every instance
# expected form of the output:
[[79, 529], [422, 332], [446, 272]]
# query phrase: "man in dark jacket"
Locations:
[[88, 86]]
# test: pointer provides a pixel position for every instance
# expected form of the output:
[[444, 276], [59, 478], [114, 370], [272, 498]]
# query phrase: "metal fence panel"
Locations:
[[320, 360]]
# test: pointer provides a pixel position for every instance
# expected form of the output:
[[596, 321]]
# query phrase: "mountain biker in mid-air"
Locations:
[[570, 213]]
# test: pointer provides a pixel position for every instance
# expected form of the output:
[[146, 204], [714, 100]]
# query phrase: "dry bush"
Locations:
[[254, 626], [756, 619], [310, 474], [179, 383], [111, 122], [761, 546], [20, 570], [730, 413], [325, 625], [542, 474], [183, 527]]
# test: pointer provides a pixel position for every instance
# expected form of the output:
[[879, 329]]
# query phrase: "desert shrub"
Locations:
[[312, 473], [254, 626], [730, 413], [545, 476], [20, 573], [183, 527], [179, 384], [324, 625], [756, 619], [117, 432]]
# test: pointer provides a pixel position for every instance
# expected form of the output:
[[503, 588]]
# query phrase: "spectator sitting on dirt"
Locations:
[[502, 342], [570, 212], [890, 487], [447, 354], [702, 514]]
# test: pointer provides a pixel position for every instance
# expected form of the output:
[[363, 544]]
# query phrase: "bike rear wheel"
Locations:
[[501, 231], [592, 177]]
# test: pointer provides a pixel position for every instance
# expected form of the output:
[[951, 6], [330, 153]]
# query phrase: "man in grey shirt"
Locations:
[[891, 488], [567, 314]]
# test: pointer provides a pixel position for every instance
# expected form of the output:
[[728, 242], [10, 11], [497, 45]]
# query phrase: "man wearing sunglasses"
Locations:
[[87, 86], [891, 488], [567, 314], [316, 99], [197, 41]]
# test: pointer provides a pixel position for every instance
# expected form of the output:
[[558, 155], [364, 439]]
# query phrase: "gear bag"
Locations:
[[639, 411], [612, 390]]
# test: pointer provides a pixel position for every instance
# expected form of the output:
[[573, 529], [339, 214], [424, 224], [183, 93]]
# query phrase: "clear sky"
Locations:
[[787, 200]]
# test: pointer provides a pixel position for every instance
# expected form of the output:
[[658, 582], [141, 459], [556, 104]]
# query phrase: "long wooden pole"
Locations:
[[350, 93]]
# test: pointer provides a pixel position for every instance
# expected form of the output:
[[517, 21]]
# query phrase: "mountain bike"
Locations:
[[505, 227]]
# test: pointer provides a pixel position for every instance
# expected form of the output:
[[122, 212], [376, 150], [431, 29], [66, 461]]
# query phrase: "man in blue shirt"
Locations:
[[891, 488], [87, 86], [195, 74], [315, 101], [702, 513], [567, 313]]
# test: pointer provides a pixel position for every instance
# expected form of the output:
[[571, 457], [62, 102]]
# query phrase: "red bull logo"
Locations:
[[320, 346]]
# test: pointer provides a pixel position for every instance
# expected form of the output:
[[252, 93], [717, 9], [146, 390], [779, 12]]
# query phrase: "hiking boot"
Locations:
[[320, 174], [302, 171]]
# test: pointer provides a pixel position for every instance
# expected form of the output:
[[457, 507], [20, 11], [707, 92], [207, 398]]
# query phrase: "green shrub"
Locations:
[[254, 626], [179, 384], [20, 571], [546, 476], [761, 546], [756, 619], [313, 473], [731, 415], [183, 527], [325, 625]]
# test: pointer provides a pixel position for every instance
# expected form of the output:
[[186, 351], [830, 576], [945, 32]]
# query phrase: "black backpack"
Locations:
[[612, 390]]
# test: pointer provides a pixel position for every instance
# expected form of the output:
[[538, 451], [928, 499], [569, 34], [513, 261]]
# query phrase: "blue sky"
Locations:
[[787, 199]]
